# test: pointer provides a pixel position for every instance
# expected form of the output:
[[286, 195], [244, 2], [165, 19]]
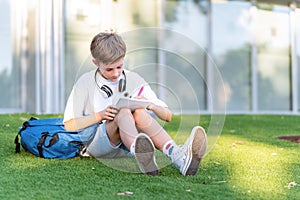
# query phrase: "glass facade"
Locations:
[[10, 79], [173, 44]]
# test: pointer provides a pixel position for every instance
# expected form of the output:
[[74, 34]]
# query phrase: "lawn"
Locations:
[[247, 161]]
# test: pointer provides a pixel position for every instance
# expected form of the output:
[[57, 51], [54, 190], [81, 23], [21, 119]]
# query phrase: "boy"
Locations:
[[122, 132]]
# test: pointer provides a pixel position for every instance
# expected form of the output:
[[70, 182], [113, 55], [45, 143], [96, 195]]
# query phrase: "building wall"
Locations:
[[199, 56]]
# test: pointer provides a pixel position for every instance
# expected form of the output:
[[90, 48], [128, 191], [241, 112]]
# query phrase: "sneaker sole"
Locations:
[[199, 142], [144, 154]]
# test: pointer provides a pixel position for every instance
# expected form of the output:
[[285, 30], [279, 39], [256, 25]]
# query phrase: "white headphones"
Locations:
[[107, 91]]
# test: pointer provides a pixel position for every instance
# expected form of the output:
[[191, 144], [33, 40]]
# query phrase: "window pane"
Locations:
[[188, 68], [231, 49], [273, 62], [9, 73], [84, 19]]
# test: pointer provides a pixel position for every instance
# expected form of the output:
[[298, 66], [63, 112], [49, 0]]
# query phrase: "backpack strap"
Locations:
[[17, 143], [42, 142]]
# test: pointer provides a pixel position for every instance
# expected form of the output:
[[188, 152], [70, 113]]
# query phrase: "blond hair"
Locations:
[[107, 48]]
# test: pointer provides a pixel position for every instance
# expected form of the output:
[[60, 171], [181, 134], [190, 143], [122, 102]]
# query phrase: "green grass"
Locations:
[[247, 162]]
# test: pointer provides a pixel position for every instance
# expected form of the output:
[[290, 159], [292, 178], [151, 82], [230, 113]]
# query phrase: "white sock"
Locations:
[[132, 148], [169, 147]]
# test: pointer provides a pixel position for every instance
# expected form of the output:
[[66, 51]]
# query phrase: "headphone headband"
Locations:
[[107, 91]]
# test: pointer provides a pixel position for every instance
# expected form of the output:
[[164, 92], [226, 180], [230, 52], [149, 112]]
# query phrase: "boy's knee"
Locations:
[[141, 117], [139, 113], [123, 112]]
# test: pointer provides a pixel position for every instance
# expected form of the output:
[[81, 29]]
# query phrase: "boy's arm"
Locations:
[[81, 122], [162, 113], [108, 113]]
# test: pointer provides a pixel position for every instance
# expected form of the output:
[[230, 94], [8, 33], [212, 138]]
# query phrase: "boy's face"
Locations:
[[112, 71]]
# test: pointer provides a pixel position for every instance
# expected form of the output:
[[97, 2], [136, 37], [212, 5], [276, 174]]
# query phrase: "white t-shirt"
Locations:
[[86, 97]]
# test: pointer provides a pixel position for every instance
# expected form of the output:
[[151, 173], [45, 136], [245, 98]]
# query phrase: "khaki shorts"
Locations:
[[100, 147]]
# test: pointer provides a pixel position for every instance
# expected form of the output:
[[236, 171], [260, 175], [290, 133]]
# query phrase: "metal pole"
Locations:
[[294, 64], [161, 57], [38, 59], [254, 77], [209, 71]]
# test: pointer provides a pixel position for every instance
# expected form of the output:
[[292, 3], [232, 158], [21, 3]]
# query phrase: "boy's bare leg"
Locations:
[[152, 128], [122, 128]]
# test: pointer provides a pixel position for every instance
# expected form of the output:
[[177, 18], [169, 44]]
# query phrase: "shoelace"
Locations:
[[179, 156]]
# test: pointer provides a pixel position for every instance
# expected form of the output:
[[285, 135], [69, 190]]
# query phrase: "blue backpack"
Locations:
[[47, 138]]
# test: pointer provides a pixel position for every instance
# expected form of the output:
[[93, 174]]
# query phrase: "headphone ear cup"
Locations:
[[106, 91], [122, 85]]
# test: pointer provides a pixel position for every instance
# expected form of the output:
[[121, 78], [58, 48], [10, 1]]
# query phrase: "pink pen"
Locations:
[[141, 90]]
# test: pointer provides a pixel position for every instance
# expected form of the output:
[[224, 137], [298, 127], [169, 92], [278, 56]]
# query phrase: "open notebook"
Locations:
[[132, 103]]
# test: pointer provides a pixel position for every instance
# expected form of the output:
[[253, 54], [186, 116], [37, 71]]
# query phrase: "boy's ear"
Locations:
[[95, 62]]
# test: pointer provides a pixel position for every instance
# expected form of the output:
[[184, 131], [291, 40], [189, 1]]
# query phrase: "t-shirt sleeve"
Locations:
[[76, 102]]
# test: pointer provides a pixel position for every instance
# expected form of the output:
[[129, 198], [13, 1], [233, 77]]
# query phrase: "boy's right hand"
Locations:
[[109, 113]]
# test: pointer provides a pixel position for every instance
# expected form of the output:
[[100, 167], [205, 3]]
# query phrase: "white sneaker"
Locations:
[[188, 156], [84, 153], [144, 154]]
